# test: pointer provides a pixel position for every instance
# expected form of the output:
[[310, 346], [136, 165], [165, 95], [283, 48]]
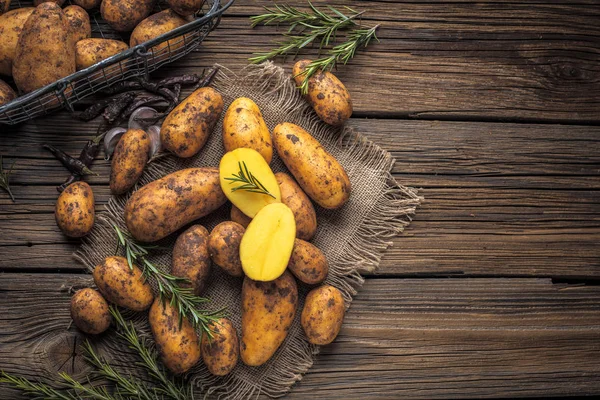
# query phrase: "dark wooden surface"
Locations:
[[493, 109]]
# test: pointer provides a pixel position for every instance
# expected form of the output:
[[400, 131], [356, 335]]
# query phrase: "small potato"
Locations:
[[323, 314], [122, 285], [89, 311], [187, 128], [154, 26], [91, 51], [179, 347], [11, 25], [268, 310], [318, 173], [38, 2], [124, 15], [304, 212], [87, 4], [185, 7], [7, 94], [75, 211], [221, 353], [326, 94], [238, 216], [129, 159], [244, 126], [308, 263], [79, 21], [191, 258], [4, 6], [224, 247]]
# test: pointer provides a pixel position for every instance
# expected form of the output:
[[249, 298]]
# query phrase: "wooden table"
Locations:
[[493, 109]]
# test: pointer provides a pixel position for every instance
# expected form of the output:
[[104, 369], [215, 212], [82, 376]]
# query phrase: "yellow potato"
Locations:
[[38, 2], [185, 7], [129, 159], [221, 353], [244, 126], [268, 310], [154, 26], [87, 4], [304, 212], [74, 210], [238, 216], [124, 15], [11, 25], [224, 247], [191, 258], [317, 172], [79, 22], [89, 311], [308, 263], [7, 94], [323, 314], [91, 51], [268, 242]]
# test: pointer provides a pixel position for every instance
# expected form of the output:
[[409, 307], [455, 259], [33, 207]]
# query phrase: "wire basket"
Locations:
[[134, 62]]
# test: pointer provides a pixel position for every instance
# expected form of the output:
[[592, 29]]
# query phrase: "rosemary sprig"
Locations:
[[4, 178], [249, 182]]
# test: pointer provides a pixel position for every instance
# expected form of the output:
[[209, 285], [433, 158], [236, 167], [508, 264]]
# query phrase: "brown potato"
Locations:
[[38, 2], [4, 6], [179, 347], [122, 285], [11, 25], [129, 159], [154, 26], [187, 128], [124, 15], [165, 205], [79, 21], [185, 7], [308, 263], [268, 310], [221, 353], [191, 259], [91, 51], [318, 173], [87, 4], [89, 311], [326, 94], [238, 216], [7, 94], [323, 314], [74, 210], [304, 212], [224, 247]]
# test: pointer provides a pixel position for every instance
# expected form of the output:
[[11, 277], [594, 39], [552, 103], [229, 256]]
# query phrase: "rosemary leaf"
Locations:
[[248, 181]]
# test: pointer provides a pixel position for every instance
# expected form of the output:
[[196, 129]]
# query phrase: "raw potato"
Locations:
[[323, 314], [45, 50], [124, 15], [7, 94], [165, 205], [191, 259], [308, 263], [179, 347], [122, 285], [91, 51], [268, 310], [221, 353], [75, 211], [87, 4], [154, 26], [129, 159], [267, 245], [187, 128], [238, 216], [317, 172], [38, 2], [304, 212], [89, 311], [4, 6], [185, 7], [326, 94], [224, 247], [11, 25], [244, 126], [79, 21]]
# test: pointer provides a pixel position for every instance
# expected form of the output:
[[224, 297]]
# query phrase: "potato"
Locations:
[[89, 311], [326, 94], [129, 159], [244, 126], [11, 25], [87, 4], [308, 263], [323, 314], [238, 216], [38, 2], [268, 310], [304, 212], [165, 205], [45, 49], [74, 210], [79, 21], [221, 353], [186, 129], [318, 173], [191, 259], [7, 94], [185, 7], [4, 6], [224, 247], [124, 15], [268, 242], [91, 51], [122, 285], [154, 26]]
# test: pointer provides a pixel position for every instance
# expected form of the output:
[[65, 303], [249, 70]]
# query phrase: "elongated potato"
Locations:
[[165, 205], [89, 311], [318, 173], [187, 128], [323, 314], [87, 4], [11, 25], [156, 25], [308, 263], [93, 50], [221, 353], [244, 126], [122, 285], [79, 22], [191, 258], [238, 216], [185, 7], [124, 15], [129, 159], [304, 212], [74, 210], [179, 347], [7, 94], [268, 310], [224, 247]]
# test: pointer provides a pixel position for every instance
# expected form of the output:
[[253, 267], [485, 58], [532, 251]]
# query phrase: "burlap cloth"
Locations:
[[353, 238]]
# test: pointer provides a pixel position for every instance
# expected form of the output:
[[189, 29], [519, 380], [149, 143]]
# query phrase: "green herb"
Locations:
[[249, 182], [4, 178]]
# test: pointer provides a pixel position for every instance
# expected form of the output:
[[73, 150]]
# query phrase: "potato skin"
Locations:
[[154, 26], [238, 216], [308, 263], [179, 348], [244, 126], [165, 205], [124, 15], [224, 247], [326, 94], [303, 209], [185, 7], [7, 94], [89, 311], [268, 310], [323, 314], [11, 25], [191, 259], [187, 128], [79, 22], [129, 159], [74, 210], [221, 354], [38, 2], [87, 4], [93, 50], [317, 172]]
